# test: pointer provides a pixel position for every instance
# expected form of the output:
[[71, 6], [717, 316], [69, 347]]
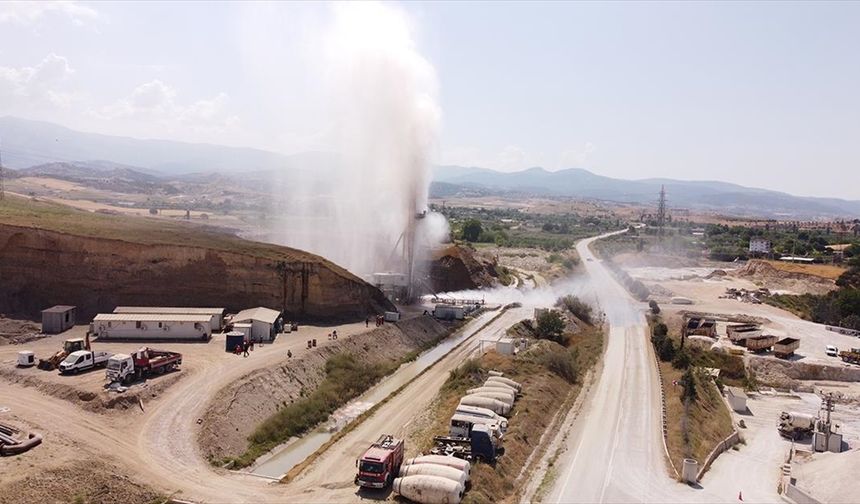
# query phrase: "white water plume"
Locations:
[[382, 97]]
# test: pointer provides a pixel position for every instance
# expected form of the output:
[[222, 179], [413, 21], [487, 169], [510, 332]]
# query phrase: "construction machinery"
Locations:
[[69, 346], [481, 445], [851, 356], [381, 463], [794, 425], [141, 364]]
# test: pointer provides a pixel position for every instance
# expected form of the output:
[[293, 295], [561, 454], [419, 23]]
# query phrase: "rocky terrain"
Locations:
[[51, 255], [460, 268], [766, 275]]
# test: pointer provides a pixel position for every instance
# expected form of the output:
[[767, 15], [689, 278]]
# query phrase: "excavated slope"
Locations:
[[50, 254]]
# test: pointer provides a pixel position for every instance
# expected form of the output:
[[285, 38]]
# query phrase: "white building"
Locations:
[[152, 326], [216, 314], [759, 246], [264, 322]]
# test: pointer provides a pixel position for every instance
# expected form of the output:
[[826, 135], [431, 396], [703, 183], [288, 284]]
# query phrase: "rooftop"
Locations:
[[169, 309], [260, 314], [150, 317], [58, 309]]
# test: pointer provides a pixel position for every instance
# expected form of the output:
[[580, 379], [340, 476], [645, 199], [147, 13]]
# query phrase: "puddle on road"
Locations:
[[294, 452]]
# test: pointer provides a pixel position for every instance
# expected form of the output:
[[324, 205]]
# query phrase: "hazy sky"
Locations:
[[764, 94]]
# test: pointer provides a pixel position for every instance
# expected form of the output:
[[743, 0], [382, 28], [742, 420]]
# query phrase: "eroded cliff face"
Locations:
[[40, 268]]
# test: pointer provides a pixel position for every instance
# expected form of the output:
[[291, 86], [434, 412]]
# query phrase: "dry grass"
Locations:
[[827, 271], [544, 394], [33, 213]]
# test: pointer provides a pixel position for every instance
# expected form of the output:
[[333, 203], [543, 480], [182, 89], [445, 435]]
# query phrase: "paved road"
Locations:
[[614, 452]]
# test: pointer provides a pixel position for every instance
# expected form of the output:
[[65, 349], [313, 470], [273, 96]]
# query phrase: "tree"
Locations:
[[688, 382], [472, 230], [550, 326], [153, 211], [851, 322], [681, 359], [655, 308]]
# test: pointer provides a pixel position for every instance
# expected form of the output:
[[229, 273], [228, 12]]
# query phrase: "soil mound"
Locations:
[[790, 375], [766, 275], [460, 268]]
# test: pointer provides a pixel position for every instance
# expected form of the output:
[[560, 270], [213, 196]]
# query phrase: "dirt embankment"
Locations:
[[791, 374], [237, 409], [460, 268], [766, 275], [95, 402], [40, 268]]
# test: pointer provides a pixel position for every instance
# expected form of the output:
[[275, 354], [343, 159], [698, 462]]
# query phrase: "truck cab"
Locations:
[[462, 425], [484, 446], [381, 463], [120, 367]]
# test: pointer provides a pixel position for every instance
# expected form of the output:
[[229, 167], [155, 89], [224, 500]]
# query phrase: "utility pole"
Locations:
[[661, 212], [2, 187]]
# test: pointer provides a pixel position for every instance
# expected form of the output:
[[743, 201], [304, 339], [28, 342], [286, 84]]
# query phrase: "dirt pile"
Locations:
[[460, 268], [764, 274], [15, 331], [237, 409], [40, 268], [791, 374], [101, 402]]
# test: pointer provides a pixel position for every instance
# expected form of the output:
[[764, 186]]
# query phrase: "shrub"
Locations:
[[563, 364], [688, 384], [577, 307], [682, 359], [655, 308], [550, 326]]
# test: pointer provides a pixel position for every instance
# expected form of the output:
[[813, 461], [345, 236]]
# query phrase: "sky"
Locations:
[[762, 94]]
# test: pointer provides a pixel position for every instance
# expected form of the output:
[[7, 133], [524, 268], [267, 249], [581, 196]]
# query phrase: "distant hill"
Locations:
[[28, 143], [723, 197]]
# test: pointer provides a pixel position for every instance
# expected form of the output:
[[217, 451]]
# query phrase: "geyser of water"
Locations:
[[385, 118]]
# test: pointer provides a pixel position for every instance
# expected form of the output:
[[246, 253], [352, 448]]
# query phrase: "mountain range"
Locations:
[[50, 149]]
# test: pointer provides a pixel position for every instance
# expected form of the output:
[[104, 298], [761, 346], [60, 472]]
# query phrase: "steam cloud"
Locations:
[[382, 95]]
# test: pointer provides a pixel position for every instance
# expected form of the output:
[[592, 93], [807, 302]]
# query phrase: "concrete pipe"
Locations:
[[499, 385], [496, 390], [429, 489], [501, 396], [443, 471], [506, 381], [495, 373], [497, 406], [454, 462], [690, 471]]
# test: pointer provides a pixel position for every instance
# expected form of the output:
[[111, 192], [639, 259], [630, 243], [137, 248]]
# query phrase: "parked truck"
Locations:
[[480, 445], [851, 356], [141, 364], [83, 360], [785, 347], [794, 425], [381, 463], [760, 343]]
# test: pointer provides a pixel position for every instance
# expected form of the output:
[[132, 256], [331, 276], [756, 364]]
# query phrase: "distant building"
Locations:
[[58, 319], [216, 314], [759, 246]]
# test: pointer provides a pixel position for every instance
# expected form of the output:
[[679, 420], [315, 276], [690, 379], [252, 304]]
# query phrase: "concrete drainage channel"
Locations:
[[294, 452]]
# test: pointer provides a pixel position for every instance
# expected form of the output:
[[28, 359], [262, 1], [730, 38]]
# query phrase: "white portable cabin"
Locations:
[[216, 314], [244, 328], [264, 322], [449, 312], [152, 326]]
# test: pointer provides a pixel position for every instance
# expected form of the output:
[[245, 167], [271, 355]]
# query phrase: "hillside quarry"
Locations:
[[55, 258]]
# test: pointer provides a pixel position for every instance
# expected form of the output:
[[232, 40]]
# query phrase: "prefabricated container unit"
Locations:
[[217, 314], [505, 346], [737, 399], [449, 312], [760, 343], [153, 327], [234, 339], [786, 347], [58, 319], [265, 323], [391, 316]]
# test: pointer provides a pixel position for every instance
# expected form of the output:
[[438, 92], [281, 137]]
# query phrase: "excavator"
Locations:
[[69, 346]]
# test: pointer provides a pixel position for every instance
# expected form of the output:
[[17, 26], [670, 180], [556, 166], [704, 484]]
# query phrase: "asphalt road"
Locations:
[[614, 452]]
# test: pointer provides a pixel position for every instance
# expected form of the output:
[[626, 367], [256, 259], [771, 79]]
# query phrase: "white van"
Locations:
[[831, 351]]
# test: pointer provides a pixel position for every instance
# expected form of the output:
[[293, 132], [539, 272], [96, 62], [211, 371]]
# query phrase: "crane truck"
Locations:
[[381, 463], [141, 364]]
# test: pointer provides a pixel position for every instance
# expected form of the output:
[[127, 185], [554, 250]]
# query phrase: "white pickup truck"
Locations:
[[82, 360]]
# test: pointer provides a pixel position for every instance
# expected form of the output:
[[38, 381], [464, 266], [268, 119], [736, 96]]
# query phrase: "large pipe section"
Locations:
[[506, 381], [454, 462], [429, 489], [451, 473], [497, 406]]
